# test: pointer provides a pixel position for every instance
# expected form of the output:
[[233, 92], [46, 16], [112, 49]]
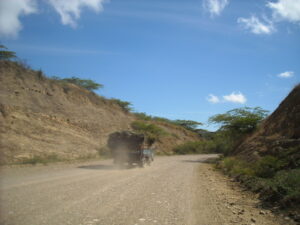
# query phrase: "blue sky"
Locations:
[[178, 59]]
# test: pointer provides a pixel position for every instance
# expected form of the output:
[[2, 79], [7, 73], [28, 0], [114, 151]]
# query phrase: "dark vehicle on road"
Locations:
[[130, 148]]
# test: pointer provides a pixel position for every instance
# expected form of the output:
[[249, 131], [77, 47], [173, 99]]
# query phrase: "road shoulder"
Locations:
[[220, 200]]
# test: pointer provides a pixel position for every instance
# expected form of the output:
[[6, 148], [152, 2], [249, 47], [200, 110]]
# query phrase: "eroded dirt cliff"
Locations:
[[278, 133], [42, 117]]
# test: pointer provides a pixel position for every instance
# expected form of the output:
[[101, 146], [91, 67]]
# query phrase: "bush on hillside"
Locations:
[[142, 116], [240, 120], [84, 83], [188, 124], [152, 131], [284, 188], [195, 147], [126, 106], [5, 54], [268, 176], [222, 141], [162, 119], [235, 125], [267, 166]]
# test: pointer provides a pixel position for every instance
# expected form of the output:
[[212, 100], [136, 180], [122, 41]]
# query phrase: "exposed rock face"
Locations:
[[40, 117], [279, 132]]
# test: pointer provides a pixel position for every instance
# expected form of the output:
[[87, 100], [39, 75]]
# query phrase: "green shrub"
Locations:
[[267, 166], [267, 176], [228, 163], [162, 119], [237, 167], [84, 83], [195, 147], [283, 188], [188, 124], [289, 181], [240, 120], [143, 116], [152, 131], [290, 157], [235, 125], [241, 168], [5, 54], [126, 106], [223, 143]]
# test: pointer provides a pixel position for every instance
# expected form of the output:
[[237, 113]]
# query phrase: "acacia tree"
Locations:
[[235, 125], [240, 120], [5, 54], [126, 106], [188, 124], [87, 84]]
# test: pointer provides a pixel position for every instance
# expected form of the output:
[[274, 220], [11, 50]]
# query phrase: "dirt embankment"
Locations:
[[41, 117], [279, 132]]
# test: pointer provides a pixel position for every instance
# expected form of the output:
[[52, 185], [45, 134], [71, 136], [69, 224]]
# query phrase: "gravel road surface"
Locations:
[[177, 190]]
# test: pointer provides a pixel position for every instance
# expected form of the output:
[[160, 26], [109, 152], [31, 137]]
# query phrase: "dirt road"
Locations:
[[178, 190]]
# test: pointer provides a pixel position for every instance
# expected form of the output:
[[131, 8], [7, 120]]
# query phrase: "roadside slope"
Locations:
[[40, 117], [280, 132]]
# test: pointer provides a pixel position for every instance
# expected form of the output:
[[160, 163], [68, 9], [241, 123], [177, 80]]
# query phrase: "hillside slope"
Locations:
[[42, 117], [279, 132]]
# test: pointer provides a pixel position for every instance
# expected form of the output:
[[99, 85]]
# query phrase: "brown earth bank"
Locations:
[[267, 162], [40, 117], [175, 190], [278, 133]]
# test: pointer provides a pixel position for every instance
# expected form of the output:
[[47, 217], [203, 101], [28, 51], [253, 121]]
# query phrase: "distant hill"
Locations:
[[279, 133], [45, 118]]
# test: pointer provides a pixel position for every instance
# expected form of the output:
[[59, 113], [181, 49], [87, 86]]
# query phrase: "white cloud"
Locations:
[[235, 98], [213, 99], [215, 7], [286, 10], [70, 10], [256, 26], [286, 74], [10, 11]]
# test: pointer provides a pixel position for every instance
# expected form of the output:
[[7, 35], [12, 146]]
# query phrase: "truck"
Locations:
[[129, 148]]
